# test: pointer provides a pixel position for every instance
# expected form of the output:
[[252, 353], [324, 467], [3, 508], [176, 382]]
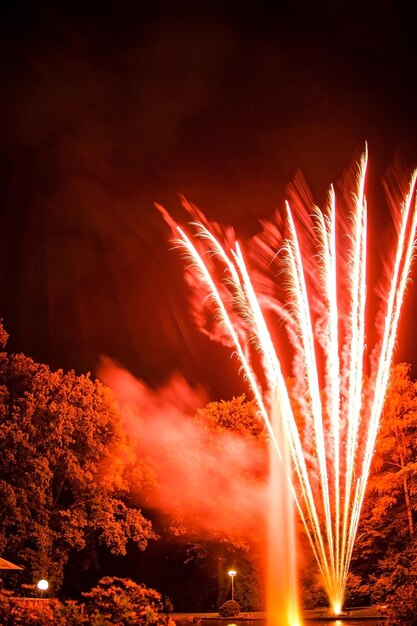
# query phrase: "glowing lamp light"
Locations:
[[232, 573], [337, 609], [43, 585]]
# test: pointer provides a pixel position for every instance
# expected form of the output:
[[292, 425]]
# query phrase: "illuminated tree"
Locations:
[[63, 470], [385, 548], [237, 415], [3, 336], [394, 479]]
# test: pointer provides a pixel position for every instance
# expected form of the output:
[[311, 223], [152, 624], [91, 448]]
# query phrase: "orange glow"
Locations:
[[310, 272], [159, 423], [337, 609]]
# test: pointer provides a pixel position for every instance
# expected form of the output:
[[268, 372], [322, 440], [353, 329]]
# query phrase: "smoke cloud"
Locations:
[[208, 481]]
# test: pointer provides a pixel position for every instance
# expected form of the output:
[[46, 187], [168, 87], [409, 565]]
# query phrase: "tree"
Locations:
[[387, 530], [394, 469], [63, 470], [237, 415], [3, 336]]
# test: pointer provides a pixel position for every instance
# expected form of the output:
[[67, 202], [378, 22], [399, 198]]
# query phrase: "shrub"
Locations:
[[229, 609], [113, 602], [402, 606], [21, 612], [168, 606], [122, 602]]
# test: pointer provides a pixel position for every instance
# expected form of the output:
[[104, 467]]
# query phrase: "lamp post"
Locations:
[[232, 573]]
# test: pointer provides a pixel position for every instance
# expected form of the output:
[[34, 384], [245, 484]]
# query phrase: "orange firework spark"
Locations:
[[322, 271]]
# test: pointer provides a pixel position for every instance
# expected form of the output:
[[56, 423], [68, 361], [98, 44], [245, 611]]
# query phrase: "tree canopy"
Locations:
[[385, 548], [63, 469]]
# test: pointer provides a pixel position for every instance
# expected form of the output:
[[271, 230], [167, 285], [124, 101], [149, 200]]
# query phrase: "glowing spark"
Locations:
[[331, 436]]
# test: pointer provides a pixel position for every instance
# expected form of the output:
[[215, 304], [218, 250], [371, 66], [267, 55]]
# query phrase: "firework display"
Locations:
[[297, 295]]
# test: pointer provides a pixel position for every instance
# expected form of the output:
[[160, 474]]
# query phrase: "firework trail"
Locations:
[[315, 286]]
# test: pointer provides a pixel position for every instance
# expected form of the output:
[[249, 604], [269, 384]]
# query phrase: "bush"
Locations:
[[168, 606], [229, 609], [402, 606], [21, 612], [113, 602], [122, 602]]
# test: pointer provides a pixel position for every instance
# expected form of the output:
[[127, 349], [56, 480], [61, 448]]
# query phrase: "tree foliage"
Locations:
[[385, 551], [237, 415], [22, 614], [121, 602], [112, 602], [3, 336], [63, 470], [394, 478]]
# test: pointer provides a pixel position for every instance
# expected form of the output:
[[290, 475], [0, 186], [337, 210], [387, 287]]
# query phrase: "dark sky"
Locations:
[[108, 108]]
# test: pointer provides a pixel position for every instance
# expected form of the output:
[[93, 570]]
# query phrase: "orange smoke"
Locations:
[[208, 481]]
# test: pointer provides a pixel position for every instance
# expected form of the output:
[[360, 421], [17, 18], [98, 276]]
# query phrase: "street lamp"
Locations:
[[42, 585], [232, 573]]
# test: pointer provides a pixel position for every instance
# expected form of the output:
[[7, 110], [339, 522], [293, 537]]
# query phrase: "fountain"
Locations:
[[308, 270]]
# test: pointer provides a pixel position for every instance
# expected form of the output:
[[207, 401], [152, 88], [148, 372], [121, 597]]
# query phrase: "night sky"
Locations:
[[108, 109]]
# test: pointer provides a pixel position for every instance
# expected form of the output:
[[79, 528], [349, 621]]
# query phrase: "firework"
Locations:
[[308, 272]]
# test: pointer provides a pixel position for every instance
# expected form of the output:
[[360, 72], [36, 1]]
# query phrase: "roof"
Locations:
[[7, 565]]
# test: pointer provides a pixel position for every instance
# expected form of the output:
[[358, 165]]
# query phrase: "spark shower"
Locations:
[[298, 297]]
